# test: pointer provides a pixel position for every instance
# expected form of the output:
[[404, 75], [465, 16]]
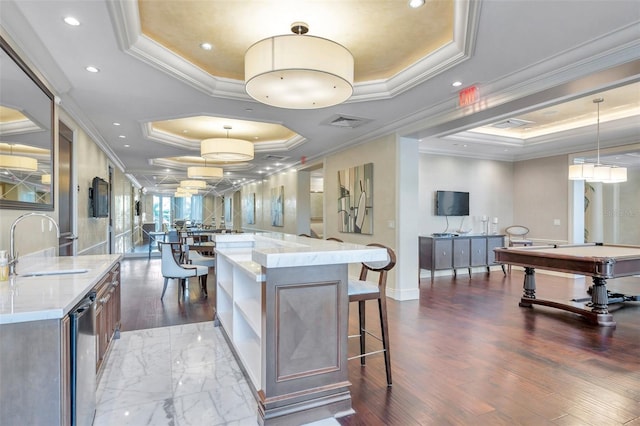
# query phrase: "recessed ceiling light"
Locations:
[[127, 145], [91, 68], [116, 123], [456, 84], [416, 3], [206, 46], [122, 136], [70, 20]]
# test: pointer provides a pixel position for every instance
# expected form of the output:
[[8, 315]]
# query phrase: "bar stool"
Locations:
[[362, 290]]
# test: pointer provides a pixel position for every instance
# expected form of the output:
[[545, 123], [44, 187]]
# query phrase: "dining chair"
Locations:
[[516, 236], [360, 291], [192, 257], [172, 268]]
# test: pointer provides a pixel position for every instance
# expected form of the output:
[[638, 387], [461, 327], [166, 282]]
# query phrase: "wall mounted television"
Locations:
[[452, 203], [99, 198]]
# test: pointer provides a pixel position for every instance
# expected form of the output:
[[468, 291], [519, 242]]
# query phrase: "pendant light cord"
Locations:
[[597, 101]]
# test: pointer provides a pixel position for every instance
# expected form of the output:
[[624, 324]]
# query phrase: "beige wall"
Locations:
[[533, 193], [263, 203], [89, 162], [490, 185], [541, 196], [382, 153]]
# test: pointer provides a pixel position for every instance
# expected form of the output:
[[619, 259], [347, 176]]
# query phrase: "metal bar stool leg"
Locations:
[[361, 330], [382, 306]]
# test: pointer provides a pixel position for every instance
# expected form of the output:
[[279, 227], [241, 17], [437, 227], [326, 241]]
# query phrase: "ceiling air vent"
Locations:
[[511, 123], [349, 122], [271, 157]]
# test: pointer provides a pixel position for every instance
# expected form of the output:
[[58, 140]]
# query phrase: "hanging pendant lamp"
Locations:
[[298, 71], [597, 172], [226, 149]]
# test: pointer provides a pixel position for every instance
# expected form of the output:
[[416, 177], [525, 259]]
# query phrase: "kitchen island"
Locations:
[[282, 304], [35, 332]]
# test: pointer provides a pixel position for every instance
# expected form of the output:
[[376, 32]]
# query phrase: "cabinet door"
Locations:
[[478, 252], [493, 242], [461, 252], [102, 318], [101, 340], [443, 256]]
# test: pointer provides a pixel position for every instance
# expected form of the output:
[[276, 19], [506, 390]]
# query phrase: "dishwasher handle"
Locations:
[[85, 303]]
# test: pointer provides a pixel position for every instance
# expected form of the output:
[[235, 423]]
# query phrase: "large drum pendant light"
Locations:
[[298, 71]]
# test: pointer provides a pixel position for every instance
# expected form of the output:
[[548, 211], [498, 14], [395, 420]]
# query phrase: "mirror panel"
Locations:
[[26, 136]]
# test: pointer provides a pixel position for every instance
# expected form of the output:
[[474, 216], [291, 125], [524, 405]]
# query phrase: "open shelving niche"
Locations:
[[239, 309]]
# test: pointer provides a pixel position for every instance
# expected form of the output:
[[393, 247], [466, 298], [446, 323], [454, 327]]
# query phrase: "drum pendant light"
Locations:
[[298, 71]]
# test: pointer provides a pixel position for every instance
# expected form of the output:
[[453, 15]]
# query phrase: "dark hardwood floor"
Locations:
[[465, 353], [142, 308]]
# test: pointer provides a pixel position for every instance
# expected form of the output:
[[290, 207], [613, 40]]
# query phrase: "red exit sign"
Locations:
[[468, 96]]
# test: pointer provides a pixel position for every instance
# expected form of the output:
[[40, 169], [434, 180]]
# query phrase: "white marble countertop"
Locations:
[[275, 250], [31, 298]]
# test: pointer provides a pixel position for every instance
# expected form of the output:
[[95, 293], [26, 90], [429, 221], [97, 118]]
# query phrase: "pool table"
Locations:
[[598, 260]]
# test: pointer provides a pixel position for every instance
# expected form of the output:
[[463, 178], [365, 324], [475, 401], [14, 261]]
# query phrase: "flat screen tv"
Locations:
[[99, 198], [452, 203]]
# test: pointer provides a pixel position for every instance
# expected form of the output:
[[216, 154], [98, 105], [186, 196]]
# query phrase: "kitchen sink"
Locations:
[[54, 272]]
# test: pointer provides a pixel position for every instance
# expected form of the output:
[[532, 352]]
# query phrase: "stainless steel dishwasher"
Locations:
[[83, 361]]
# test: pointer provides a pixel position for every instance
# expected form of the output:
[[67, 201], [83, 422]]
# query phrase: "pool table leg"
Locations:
[[529, 287], [599, 296]]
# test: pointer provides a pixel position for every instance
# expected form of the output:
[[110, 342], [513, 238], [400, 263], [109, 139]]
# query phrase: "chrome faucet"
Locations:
[[13, 257]]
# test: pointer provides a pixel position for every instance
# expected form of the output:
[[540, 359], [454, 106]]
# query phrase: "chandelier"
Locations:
[[298, 71], [597, 172], [226, 149]]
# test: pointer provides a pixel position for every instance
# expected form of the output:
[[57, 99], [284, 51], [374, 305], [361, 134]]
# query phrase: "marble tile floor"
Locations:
[[182, 375]]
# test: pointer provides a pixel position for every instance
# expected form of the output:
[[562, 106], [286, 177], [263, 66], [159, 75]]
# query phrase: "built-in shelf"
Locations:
[[250, 310], [275, 293]]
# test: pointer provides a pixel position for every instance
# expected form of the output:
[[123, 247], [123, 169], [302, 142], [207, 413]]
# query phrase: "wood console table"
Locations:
[[464, 251]]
